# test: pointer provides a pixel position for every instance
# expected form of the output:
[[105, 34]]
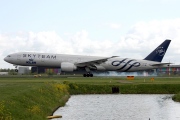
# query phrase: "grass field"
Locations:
[[28, 97], [93, 80], [10, 85]]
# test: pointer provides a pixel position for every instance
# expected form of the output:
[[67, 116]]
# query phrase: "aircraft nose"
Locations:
[[6, 59]]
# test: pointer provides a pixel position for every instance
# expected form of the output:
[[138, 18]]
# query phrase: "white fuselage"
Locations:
[[55, 60]]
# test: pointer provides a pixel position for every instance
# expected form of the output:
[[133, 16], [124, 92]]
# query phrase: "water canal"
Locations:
[[120, 107]]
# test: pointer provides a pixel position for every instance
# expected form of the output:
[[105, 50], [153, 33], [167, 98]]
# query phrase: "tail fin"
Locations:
[[158, 54]]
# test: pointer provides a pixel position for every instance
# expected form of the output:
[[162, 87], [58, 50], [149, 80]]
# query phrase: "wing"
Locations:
[[93, 62]]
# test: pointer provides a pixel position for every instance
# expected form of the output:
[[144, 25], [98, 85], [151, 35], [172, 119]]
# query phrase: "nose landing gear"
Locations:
[[16, 68]]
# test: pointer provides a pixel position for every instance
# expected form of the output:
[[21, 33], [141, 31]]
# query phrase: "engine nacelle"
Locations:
[[68, 67], [101, 68]]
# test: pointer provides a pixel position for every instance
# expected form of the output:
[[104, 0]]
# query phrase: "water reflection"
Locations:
[[120, 107]]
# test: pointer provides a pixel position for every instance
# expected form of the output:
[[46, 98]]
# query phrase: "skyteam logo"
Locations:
[[160, 51], [31, 61], [126, 65]]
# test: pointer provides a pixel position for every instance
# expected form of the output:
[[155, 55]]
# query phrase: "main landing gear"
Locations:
[[88, 75]]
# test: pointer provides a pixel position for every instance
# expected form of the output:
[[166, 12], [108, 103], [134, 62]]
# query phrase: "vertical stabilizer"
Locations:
[[158, 54]]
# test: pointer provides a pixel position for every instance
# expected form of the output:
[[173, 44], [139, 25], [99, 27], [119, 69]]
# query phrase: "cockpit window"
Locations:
[[8, 56]]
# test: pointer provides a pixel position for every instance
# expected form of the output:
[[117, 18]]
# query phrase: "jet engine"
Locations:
[[68, 67], [99, 67]]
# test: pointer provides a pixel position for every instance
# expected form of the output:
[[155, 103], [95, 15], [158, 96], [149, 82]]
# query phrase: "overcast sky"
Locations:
[[125, 28]]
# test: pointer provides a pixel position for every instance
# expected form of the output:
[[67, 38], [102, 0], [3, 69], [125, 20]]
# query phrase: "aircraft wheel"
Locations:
[[88, 75], [91, 75], [16, 70], [84, 75]]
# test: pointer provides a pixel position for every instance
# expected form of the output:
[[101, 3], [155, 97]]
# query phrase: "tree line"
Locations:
[[7, 70]]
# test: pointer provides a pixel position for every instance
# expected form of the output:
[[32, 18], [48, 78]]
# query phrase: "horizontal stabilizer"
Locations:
[[161, 64]]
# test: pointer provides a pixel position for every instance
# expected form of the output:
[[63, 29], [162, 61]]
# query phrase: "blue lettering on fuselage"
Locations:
[[118, 63], [39, 56], [31, 61]]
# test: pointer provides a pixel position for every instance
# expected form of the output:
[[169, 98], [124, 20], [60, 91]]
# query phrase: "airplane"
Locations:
[[70, 63]]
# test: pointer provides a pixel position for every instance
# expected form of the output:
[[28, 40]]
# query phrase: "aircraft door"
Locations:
[[79, 60], [43, 58], [18, 57]]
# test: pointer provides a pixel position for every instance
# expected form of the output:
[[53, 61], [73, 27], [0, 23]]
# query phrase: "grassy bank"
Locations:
[[30, 101], [30, 98], [124, 89], [176, 97]]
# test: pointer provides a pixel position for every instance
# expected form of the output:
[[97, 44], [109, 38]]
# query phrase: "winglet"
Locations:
[[158, 54]]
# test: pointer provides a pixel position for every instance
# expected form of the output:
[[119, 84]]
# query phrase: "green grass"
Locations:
[[26, 97], [94, 80], [176, 97]]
